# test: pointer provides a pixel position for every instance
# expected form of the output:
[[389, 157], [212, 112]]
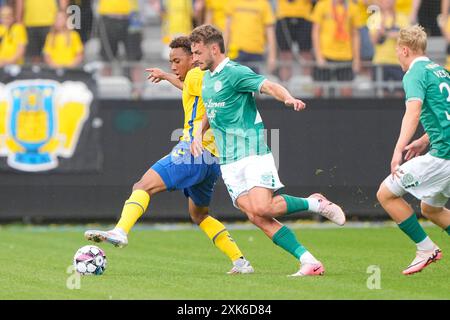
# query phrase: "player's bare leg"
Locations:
[[220, 237], [403, 214], [149, 185], [439, 216], [278, 233]]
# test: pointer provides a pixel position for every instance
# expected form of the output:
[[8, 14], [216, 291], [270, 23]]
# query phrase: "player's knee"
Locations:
[[254, 218], [144, 185], [429, 211], [262, 210], [383, 194]]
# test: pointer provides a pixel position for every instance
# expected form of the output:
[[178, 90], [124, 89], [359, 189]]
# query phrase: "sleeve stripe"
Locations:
[[414, 99], [260, 85]]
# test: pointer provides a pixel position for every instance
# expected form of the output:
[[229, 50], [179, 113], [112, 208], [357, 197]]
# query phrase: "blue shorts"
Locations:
[[195, 176]]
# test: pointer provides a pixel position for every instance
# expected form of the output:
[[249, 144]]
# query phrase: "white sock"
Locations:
[[307, 257], [425, 245], [313, 204]]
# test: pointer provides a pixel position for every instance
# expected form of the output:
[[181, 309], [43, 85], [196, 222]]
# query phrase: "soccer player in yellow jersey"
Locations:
[[180, 170]]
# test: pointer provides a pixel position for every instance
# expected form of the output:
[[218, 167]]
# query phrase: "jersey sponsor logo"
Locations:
[[218, 86], [41, 120]]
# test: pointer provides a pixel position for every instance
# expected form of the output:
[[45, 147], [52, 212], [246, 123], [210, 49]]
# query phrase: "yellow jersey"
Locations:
[[404, 6], [218, 13], [249, 19], [63, 49], [177, 19], [385, 52], [115, 7], [40, 13], [11, 39], [294, 8], [336, 46], [194, 109]]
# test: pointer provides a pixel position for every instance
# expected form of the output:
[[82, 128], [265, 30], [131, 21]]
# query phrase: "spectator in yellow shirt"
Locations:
[[293, 27], [336, 42], [384, 31], [63, 47], [409, 8], [13, 38], [215, 14], [38, 16], [250, 28]]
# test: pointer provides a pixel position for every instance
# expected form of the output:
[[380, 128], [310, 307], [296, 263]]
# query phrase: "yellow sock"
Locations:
[[133, 209], [217, 232]]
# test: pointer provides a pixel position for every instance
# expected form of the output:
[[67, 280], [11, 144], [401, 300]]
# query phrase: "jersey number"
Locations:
[[445, 86]]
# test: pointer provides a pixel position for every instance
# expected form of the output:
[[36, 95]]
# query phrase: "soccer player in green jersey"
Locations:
[[427, 177], [247, 165]]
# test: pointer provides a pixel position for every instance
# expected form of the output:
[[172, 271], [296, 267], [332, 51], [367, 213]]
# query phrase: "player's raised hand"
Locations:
[[156, 75], [415, 148], [297, 104]]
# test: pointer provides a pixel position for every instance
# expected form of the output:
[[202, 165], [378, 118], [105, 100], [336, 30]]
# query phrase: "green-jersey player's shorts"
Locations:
[[425, 177], [253, 171]]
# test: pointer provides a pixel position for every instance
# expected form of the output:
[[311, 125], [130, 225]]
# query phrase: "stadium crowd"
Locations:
[[326, 41]]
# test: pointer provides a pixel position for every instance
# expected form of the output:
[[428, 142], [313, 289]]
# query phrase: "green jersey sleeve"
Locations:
[[243, 79], [414, 85]]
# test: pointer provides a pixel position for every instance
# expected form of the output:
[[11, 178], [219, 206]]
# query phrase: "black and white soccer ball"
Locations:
[[90, 260]]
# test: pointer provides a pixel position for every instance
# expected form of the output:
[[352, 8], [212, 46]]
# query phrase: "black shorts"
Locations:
[[36, 40], [133, 46], [290, 30], [389, 72], [112, 32], [340, 71]]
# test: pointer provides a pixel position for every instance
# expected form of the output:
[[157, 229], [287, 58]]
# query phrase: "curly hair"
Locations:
[[182, 42]]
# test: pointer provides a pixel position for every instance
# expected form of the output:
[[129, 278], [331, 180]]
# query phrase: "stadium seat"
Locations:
[[116, 87]]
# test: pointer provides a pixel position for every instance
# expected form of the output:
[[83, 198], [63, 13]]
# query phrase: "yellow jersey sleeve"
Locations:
[[193, 82]]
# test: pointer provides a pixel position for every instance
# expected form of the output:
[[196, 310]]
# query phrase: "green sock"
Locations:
[[413, 229], [295, 204], [286, 239], [448, 230]]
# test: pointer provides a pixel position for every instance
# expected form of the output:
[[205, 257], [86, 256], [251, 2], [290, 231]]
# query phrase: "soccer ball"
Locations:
[[90, 260]]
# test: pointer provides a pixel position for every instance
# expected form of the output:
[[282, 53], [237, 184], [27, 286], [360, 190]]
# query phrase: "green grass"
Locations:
[[183, 264]]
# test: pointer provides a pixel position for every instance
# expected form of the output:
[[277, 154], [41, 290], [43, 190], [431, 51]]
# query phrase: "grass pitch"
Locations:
[[183, 264]]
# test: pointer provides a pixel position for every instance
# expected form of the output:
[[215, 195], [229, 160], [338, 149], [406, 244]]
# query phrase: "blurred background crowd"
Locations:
[[317, 48]]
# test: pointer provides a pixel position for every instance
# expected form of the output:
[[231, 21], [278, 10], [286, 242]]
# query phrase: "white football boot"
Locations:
[[329, 210], [116, 237], [241, 266]]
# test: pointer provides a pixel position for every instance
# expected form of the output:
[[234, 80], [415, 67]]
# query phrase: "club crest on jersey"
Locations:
[[409, 181], [218, 86], [41, 120]]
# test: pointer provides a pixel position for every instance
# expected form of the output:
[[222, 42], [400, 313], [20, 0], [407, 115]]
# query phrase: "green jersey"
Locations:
[[228, 95], [430, 83]]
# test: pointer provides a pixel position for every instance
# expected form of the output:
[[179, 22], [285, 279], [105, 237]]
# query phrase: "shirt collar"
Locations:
[[220, 66], [422, 58]]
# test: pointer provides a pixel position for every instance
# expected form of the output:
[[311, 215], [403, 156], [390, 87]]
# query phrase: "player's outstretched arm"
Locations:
[[156, 75], [409, 125], [282, 94]]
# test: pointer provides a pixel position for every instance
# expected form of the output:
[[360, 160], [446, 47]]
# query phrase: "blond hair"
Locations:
[[414, 37]]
